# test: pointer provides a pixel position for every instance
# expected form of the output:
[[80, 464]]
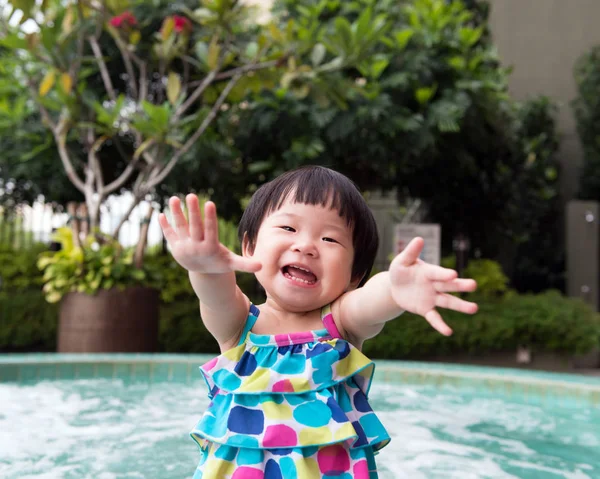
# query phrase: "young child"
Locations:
[[289, 391]]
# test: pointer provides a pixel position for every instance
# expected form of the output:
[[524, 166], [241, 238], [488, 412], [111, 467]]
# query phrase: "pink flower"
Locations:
[[182, 24], [125, 19]]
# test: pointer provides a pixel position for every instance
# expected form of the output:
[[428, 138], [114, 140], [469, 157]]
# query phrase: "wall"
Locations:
[[542, 39]]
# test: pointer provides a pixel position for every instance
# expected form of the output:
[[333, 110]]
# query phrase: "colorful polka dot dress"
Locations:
[[289, 406]]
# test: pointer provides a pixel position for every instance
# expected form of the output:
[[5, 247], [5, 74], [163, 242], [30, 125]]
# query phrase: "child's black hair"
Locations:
[[317, 185]]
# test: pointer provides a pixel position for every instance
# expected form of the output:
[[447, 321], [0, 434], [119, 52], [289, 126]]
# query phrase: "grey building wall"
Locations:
[[542, 39]]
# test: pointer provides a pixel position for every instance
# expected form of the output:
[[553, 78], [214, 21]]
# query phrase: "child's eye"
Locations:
[[329, 240], [288, 228]]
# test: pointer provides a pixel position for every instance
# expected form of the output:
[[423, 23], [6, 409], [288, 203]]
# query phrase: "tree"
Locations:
[[138, 84]]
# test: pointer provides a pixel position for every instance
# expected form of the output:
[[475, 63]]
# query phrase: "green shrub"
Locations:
[[546, 322], [28, 322], [491, 280], [18, 270]]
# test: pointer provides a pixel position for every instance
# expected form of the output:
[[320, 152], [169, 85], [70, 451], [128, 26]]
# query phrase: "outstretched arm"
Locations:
[[409, 285], [211, 266]]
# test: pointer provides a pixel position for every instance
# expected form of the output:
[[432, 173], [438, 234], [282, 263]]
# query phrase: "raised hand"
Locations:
[[420, 287], [196, 246]]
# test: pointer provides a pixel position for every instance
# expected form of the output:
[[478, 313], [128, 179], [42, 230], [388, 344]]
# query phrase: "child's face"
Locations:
[[299, 237]]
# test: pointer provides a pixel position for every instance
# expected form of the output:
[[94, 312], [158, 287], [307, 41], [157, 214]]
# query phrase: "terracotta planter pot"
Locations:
[[110, 321]]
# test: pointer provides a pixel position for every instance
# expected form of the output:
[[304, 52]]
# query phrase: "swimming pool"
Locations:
[[128, 416]]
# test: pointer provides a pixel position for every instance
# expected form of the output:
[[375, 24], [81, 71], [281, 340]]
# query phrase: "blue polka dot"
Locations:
[[295, 399], [293, 364], [248, 400], [336, 412], [260, 339], [272, 470], [362, 437], [344, 400], [212, 426], [246, 421], [246, 365], [249, 457], [318, 349], [227, 380], [266, 357], [323, 375], [282, 451], [313, 414], [343, 348], [361, 403], [275, 397], [227, 453], [241, 440], [288, 468], [371, 423], [309, 451]]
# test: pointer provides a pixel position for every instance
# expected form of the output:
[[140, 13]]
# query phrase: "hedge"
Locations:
[[546, 322]]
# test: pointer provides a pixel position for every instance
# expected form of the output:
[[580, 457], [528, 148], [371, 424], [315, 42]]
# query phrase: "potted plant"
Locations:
[[126, 89]]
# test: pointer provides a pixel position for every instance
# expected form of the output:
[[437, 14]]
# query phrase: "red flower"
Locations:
[[182, 24], [125, 19]]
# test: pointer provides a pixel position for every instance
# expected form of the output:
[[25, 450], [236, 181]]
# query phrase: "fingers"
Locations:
[[457, 285], [411, 253], [436, 321], [195, 217], [437, 273], [167, 230], [181, 224], [239, 263], [448, 301], [211, 225]]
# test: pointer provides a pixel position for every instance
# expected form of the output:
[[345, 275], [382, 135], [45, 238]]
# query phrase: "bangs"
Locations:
[[317, 188]]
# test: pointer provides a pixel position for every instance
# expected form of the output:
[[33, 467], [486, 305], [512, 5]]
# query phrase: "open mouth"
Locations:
[[299, 274]]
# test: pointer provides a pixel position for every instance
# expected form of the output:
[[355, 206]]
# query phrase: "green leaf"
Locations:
[[344, 33], [47, 83], [173, 87], [252, 50], [213, 53], [403, 37], [318, 54], [424, 94]]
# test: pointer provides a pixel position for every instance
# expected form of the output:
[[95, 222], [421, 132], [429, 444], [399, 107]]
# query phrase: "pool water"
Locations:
[[112, 428]]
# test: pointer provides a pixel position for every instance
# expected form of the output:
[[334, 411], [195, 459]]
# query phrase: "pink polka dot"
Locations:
[[211, 364], [361, 470], [283, 386], [333, 460], [247, 473], [280, 436]]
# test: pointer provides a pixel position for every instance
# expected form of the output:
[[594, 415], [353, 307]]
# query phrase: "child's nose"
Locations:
[[306, 247]]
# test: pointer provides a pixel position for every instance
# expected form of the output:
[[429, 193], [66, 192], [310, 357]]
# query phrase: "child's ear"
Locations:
[[247, 251]]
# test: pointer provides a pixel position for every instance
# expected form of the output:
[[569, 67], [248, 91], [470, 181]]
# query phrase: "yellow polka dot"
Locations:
[[299, 383], [344, 432], [276, 411], [314, 435], [235, 354], [259, 381], [218, 468], [307, 469]]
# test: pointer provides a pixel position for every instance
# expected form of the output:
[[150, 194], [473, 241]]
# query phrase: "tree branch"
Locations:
[[243, 69], [197, 134], [195, 95], [134, 203], [103, 70], [129, 67]]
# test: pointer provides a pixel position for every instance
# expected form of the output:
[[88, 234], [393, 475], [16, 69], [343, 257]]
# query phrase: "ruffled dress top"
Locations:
[[289, 406]]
